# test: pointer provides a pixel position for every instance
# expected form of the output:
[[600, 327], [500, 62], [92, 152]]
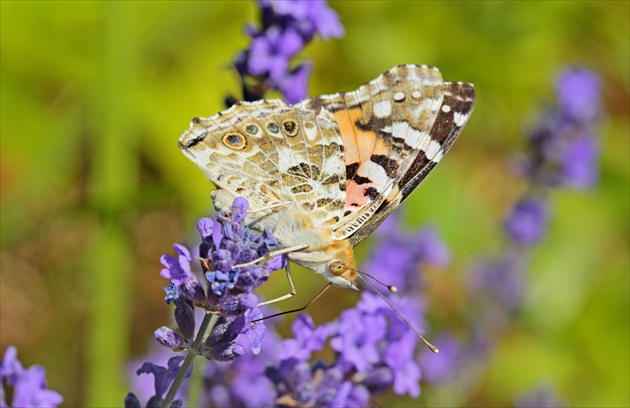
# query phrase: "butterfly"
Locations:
[[325, 172]]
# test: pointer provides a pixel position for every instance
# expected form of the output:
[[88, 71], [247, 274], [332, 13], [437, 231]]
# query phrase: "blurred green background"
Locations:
[[95, 94]]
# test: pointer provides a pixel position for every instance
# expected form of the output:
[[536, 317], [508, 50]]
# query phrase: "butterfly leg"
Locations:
[[282, 217], [310, 302], [288, 295], [271, 254]]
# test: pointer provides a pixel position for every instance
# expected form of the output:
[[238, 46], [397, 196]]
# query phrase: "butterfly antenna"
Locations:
[[429, 345], [391, 288]]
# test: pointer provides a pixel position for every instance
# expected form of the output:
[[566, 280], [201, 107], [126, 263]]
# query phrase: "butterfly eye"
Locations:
[[251, 129], [272, 127], [234, 141], [290, 127], [337, 268]]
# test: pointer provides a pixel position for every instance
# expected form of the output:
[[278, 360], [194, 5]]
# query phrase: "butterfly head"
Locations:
[[340, 274], [340, 268]]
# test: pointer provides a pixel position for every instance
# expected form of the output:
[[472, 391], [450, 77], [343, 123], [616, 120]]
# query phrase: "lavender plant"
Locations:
[[562, 153], [286, 27], [228, 306], [373, 350]]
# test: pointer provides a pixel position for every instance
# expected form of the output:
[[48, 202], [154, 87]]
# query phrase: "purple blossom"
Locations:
[[562, 147], [374, 351], [242, 382], [579, 94], [29, 385], [306, 339], [225, 243], [162, 380], [285, 29], [442, 368], [177, 267], [498, 283], [579, 166], [401, 254], [527, 223]]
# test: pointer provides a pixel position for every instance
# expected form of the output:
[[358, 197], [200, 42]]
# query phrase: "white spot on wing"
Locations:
[[446, 108], [416, 94], [374, 172], [310, 130], [434, 151], [406, 132], [383, 109], [460, 118], [399, 96]]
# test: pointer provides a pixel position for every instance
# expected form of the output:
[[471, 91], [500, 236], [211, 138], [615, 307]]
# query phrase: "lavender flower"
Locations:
[[401, 254], [29, 385], [579, 95], [562, 153], [442, 368], [285, 29], [225, 244], [374, 352], [563, 149], [527, 222], [163, 378]]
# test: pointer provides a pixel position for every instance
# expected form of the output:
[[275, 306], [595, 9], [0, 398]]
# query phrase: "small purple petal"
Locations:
[[295, 86], [205, 226], [170, 338], [527, 223], [163, 376], [579, 93], [579, 163]]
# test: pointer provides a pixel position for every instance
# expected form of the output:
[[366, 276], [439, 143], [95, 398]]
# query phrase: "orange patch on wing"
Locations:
[[355, 193], [358, 145]]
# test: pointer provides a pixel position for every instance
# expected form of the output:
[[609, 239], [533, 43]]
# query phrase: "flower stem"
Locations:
[[208, 321]]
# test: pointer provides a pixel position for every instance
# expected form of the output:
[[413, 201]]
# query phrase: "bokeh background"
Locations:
[[93, 188]]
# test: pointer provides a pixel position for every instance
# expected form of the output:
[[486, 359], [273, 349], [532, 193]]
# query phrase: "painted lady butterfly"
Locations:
[[324, 173]]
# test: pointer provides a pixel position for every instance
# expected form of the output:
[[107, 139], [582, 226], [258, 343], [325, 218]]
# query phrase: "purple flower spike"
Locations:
[[527, 223], [563, 146], [29, 385], [286, 27]]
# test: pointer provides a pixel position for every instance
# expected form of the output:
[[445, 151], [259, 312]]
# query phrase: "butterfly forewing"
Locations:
[[456, 107], [385, 124]]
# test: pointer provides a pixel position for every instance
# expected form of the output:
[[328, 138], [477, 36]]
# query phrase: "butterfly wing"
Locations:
[[342, 161], [280, 158], [391, 133], [457, 105]]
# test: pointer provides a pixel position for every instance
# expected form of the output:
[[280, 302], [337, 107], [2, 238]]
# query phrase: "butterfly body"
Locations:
[[325, 172]]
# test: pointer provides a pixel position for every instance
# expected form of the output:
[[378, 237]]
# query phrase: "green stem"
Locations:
[[209, 321]]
